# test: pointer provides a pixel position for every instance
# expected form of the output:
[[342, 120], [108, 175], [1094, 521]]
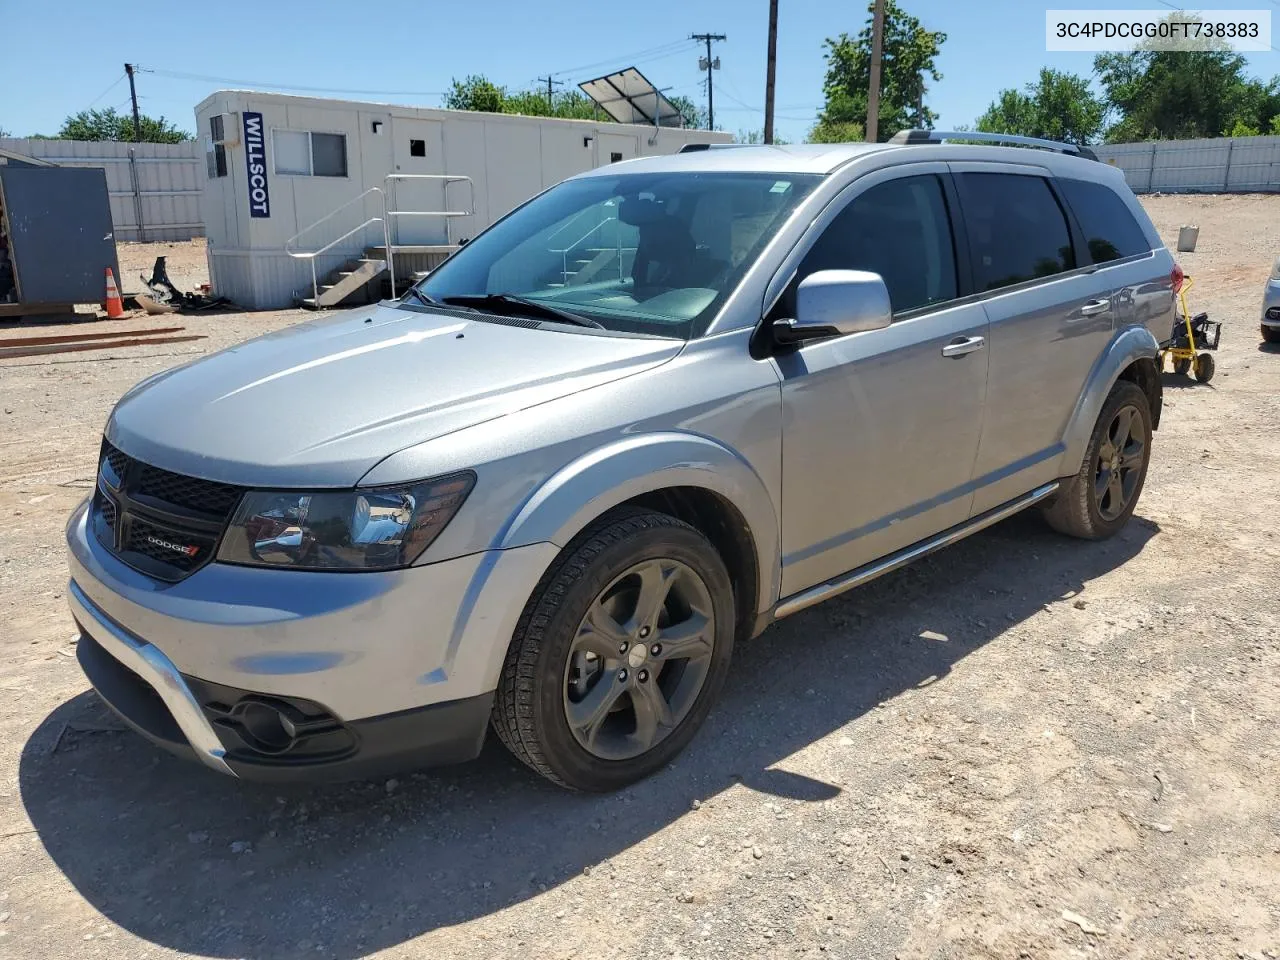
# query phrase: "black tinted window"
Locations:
[[1016, 229], [899, 230], [1109, 227]]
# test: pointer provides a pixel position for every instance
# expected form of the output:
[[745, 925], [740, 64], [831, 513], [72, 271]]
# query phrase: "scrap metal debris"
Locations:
[[166, 297]]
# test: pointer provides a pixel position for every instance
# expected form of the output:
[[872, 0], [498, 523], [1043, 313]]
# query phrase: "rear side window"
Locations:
[[1109, 228], [900, 230], [1017, 231]]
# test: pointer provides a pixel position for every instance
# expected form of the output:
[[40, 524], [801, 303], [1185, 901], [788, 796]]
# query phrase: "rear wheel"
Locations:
[[619, 654], [1098, 501], [1181, 366], [1204, 367]]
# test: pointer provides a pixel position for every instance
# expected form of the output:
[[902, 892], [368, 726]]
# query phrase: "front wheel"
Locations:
[[1099, 499], [1181, 366], [619, 653], [1204, 367], [1271, 334]]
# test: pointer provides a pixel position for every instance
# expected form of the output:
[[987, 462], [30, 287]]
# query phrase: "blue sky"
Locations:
[[66, 57]]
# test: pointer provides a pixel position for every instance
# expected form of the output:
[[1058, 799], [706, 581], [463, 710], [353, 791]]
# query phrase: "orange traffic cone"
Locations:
[[113, 304]]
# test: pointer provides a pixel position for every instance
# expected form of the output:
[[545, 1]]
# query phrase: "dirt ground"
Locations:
[[1023, 746]]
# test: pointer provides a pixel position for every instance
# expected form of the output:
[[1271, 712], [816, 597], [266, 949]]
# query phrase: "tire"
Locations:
[[1181, 366], [557, 655], [1271, 334], [1080, 509], [1204, 367]]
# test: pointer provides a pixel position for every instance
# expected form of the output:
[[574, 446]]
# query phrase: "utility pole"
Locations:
[[550, 83], [877, 53], [708, 64], [133, 95], [771, 71]]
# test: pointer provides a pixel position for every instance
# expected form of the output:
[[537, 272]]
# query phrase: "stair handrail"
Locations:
[[310, 255], [564, 254], [389, 214]]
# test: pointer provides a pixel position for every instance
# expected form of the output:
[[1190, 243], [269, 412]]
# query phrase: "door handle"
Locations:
[[963, 346], [1094, 307]]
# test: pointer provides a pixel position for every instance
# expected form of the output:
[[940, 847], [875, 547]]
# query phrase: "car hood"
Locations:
[[320, 403]]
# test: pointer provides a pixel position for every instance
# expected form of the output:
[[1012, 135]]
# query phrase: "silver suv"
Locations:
[[652, 410]]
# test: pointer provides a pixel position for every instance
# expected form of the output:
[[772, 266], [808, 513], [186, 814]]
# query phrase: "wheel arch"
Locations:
[[689, 476], [1132, 355]]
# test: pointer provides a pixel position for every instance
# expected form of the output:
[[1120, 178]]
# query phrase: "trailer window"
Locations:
[[299, 153]]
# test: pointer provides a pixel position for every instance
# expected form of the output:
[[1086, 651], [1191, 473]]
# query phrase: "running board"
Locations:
[[856, 578]]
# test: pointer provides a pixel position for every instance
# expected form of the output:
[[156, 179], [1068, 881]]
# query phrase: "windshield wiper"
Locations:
[[422, 298], [504, 302]]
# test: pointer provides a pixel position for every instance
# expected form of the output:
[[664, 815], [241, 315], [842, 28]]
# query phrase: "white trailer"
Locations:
[[303, 184]]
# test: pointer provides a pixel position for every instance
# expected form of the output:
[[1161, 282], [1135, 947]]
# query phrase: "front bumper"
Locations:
[[370, 671], [1271, 304]]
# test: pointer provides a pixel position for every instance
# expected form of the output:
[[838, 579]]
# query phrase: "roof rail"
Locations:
[[699, 147], [939, 136]]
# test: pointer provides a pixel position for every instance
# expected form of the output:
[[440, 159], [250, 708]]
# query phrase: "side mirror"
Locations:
[[831, 303]]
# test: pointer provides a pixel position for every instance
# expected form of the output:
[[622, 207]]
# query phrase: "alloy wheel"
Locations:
[[639, 659], [1120, 461]]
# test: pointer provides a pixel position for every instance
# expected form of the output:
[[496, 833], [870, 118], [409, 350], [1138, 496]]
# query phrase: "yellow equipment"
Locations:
[[1191, 339]]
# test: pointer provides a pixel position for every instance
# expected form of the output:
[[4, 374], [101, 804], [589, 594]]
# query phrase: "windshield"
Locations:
[[636, 253]]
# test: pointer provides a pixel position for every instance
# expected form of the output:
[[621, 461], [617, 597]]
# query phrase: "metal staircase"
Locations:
[[361, 279]]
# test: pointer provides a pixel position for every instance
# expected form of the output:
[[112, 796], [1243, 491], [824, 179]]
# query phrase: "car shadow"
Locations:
[[1182, 381], [1264, 347], [191, 861]]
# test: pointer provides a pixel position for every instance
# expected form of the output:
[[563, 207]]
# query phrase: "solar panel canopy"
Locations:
[[628, 97]]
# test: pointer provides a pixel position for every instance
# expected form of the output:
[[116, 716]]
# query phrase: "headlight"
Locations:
[[374, 529]]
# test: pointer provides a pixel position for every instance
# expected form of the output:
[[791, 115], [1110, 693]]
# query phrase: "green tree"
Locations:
[[757, 136], [908, 62], [1198, 91], [110, 124], [475, 92], [1059, 106]]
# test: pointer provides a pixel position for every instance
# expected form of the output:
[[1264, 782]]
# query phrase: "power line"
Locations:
[[661, 50], [202, 78], [114, 83]]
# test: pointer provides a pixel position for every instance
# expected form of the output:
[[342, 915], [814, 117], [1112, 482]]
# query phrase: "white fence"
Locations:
[[154, 187], [1221, 165]]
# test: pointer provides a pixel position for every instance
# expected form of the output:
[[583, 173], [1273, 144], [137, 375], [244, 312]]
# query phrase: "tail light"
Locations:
[[1176, 276]]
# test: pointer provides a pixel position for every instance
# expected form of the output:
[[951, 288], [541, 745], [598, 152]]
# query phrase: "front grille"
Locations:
[[159, 545], [205, 496], [164, 524]]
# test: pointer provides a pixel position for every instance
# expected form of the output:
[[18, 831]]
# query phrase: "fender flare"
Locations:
[[578, 493], [1127, 346]]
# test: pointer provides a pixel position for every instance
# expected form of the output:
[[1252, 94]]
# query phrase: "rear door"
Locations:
[[1050, 312], [1118, 247]]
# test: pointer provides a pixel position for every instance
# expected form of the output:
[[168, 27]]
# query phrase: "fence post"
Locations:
[[137, 194], [1151, 171], [1226, 177]]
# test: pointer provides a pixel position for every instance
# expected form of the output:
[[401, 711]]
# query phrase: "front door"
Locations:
[[417, 149], [881, 427]]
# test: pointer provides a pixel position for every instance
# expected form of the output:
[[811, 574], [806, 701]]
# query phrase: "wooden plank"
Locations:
[[31, 309], [9, 352], [79, 337]]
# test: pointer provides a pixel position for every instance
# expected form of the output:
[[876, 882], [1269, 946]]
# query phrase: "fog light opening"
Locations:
[[265, 727]]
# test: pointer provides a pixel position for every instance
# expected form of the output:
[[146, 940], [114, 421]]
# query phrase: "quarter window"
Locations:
[[303, 154], [1017, 231], [900, 230], [1109, 228]]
